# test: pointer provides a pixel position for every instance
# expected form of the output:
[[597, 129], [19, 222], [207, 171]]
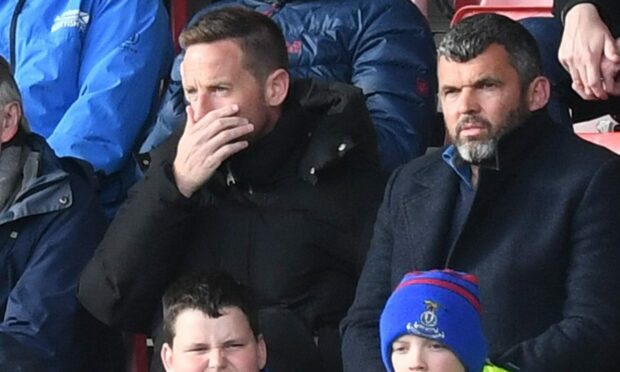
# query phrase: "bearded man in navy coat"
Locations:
[[517, 200]]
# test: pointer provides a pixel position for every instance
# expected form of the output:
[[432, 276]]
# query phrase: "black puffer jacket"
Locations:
[[291, 217]]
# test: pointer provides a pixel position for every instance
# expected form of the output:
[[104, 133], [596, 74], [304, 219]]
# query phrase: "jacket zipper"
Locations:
[[18, 9]]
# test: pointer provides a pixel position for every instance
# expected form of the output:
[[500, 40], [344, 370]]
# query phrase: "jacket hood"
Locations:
[[45, 185], [342, 124]]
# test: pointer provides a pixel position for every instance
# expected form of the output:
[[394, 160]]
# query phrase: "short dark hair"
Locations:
[[209, 293], [259, 38], [473, 35]]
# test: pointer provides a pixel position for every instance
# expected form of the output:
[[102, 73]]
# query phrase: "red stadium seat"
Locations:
[[609, 140], [179, 14], [138, 354], [515, 9]]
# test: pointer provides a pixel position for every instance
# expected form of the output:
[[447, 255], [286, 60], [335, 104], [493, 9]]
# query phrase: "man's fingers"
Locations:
[[611, 49], [205, 148], [577, 83], [189, 113], [594, 81], [611, 76], [204, 133], [221, 112], [224, 152], [228, 136]]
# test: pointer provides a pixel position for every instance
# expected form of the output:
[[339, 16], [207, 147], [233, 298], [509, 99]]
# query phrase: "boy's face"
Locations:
[[225, 343], [414, 353]]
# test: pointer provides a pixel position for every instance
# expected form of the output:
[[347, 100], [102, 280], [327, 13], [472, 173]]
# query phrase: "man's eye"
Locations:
[[234, 346], [190, 94], [450, 94], [219, 89]]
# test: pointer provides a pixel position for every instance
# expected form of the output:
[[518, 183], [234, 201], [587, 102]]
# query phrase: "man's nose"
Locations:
[[468, 101], [202, 105]]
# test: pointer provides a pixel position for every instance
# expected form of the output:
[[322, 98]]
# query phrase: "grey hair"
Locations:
[[9, 92], [473, 35]]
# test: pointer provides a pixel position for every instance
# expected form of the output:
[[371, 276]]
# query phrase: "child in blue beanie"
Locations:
[[431, 322]]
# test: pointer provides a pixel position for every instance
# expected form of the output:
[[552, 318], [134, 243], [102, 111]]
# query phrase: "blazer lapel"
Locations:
[[428, 214]]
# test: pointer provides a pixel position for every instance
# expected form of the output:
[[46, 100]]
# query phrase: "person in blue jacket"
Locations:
[[384, 47], [50, 223], [89, 72]]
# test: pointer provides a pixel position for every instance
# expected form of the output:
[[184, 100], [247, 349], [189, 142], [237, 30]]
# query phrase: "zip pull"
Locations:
[[230, 177]]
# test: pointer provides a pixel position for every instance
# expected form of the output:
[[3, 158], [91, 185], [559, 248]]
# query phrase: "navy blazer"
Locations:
[[541, 235]]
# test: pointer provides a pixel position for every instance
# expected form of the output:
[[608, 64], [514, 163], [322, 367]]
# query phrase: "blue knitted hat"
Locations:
[[441, 305]]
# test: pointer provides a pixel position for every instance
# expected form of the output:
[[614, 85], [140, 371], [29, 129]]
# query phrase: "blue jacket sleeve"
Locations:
[[395, 65], [127, 49], [40, 317], [171, 114]]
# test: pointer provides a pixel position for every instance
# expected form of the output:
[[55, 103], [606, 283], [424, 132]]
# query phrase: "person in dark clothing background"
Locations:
[[50, 223], [272, 181]]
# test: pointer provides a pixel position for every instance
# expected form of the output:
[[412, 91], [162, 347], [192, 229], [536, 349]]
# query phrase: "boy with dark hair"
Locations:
[[211, 322]]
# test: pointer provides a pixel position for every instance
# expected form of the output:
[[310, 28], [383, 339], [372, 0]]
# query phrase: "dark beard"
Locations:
[[477, 150]]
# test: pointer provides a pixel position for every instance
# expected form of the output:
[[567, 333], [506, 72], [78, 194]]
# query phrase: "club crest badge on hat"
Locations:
[[427, 326]]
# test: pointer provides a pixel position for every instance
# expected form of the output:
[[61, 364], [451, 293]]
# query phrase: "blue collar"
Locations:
[[461, 168]]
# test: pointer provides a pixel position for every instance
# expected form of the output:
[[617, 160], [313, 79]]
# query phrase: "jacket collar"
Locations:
[[435, 187], [341, 123], [45, 185], [320, 124], [510, 148]]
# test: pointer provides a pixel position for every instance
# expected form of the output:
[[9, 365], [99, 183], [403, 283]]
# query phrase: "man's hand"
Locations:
[[610, 72], [205, 144], [586, 44]]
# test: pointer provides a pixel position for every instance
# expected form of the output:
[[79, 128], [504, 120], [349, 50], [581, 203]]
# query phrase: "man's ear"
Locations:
[[11, 116], [262, 352], [276, 87], [166, 357], [538, 93]]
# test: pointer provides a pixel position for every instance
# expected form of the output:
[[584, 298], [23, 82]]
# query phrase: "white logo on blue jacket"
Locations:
[[71, 19]]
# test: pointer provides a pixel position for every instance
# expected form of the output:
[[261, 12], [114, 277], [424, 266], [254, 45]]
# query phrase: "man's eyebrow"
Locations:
[[487, 80], [483, 80]]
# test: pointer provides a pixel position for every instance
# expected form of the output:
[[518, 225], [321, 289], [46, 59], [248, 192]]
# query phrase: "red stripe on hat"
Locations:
[[473, 300]]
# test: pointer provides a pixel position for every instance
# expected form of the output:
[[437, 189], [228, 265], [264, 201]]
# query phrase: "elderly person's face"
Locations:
[[10, 116], [10, 111]]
